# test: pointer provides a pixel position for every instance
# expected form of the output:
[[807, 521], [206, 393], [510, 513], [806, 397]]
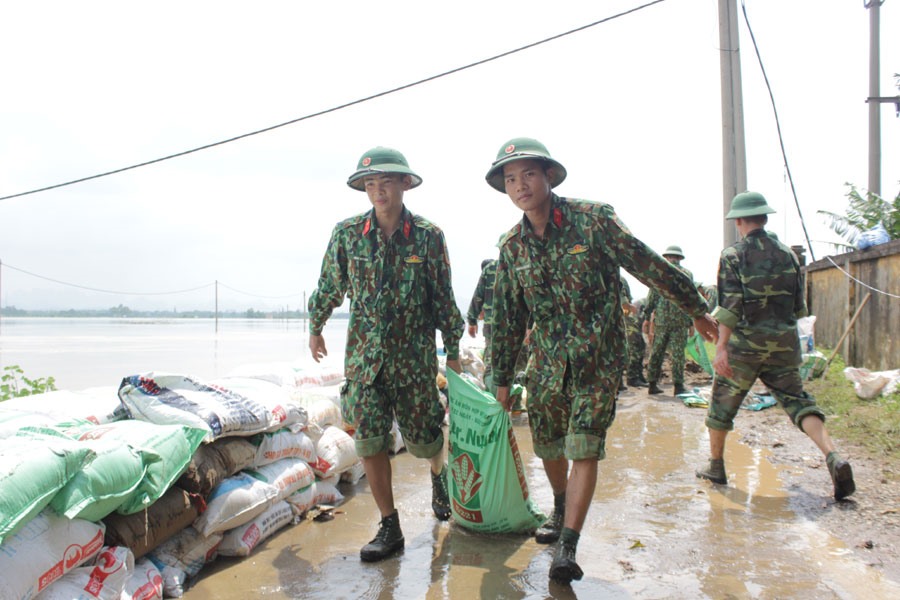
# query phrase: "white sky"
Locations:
[[631, 107]]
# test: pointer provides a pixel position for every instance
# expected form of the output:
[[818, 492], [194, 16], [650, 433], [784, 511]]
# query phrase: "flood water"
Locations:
[[653, 531], [83, 353]]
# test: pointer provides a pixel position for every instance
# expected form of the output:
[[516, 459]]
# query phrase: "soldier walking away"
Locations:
[[559, 267], [760, 298], [670, 329], [394, 267]]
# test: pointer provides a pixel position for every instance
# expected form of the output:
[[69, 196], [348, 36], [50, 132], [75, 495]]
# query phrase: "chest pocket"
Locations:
[[580, 281], [537, 292], [412, 283]]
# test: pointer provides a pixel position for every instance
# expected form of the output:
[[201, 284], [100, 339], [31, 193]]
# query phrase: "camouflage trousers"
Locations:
[[572, 423], [672, 340], [784, 383], [371, 409]]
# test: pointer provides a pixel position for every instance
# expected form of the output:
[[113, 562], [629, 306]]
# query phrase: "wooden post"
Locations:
[[846, 332]]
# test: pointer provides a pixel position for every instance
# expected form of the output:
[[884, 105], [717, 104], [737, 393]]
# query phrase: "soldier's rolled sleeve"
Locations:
[[725, 317], [332, 285]]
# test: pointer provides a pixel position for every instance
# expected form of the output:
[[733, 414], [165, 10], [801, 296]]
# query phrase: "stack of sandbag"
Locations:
[[169, 475]]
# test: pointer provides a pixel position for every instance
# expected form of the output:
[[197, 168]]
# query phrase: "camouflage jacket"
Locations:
[[483, 298], [760, 299], [569, 282], [668, 315], [399, 292]]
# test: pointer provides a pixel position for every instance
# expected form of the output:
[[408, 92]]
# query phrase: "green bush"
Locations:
[[14, 384]]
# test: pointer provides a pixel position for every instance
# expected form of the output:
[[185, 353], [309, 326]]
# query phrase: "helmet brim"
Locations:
[[356, 180], [738, 213]]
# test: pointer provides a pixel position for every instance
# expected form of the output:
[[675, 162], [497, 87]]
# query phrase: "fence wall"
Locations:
[[874, 340]]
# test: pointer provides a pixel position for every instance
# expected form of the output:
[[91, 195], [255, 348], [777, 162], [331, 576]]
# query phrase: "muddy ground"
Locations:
[[654, 529]]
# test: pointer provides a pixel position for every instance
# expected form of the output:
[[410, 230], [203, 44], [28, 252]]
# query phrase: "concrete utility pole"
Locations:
[[874, 8], [734, 156]]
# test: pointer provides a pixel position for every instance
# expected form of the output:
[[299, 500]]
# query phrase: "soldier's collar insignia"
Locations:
[[577, 249], [406, 228], [413, 259], [557, 217], [367, 226]]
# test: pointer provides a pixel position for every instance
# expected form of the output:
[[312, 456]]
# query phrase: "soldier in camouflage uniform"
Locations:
[[482, 301], [760, 298], [634, 338], [670, 327], [394, 267], [560, 267]]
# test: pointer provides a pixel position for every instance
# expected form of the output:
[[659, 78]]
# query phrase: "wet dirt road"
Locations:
[[653, 531]]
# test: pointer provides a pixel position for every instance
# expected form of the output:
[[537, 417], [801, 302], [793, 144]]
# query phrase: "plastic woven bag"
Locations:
[[488, 489], [697, 351]]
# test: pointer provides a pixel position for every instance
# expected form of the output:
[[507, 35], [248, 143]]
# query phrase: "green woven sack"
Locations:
[[488, 489], [697, 352]]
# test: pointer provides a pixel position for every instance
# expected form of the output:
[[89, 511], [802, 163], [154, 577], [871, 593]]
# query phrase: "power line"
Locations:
[[83, 287], [340, 106], [258, 295]]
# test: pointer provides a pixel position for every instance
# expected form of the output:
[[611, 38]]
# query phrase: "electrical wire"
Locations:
[[778, 126], [258, 295], [340, 106], [83, 287], [865, 285]]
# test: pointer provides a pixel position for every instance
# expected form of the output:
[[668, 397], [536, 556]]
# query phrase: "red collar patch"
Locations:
[[367, 226], [406, 228], [557, 217]]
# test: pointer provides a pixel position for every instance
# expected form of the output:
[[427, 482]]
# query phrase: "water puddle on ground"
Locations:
[[653, 531]]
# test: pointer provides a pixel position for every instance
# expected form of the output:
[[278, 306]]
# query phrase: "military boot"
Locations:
[[388, 540], [636, 382], [654, 389], [715, 471], [841, 476], [564, 569], [549, 531], [679, 389], [440, 499]]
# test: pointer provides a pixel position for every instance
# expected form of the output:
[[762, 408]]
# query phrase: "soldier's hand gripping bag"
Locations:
[[488, 489]]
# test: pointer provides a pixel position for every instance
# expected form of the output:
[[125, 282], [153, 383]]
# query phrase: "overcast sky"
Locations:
[[631, 107]]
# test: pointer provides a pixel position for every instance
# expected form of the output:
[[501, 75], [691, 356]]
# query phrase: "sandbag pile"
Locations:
[[128, 492]]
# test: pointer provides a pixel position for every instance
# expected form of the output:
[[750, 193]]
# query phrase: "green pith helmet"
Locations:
[[381, 160], [748, 204], [518, 148], [674, 251]]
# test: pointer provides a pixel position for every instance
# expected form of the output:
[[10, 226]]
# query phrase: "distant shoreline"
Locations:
[[12, 312]]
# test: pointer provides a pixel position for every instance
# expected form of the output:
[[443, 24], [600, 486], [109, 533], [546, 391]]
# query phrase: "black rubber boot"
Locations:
[[654, 389], [549, 531], [841, 476], [679, 389], [635, 382], [715, 471], [564, 569], [440, 499], [388, 540]]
